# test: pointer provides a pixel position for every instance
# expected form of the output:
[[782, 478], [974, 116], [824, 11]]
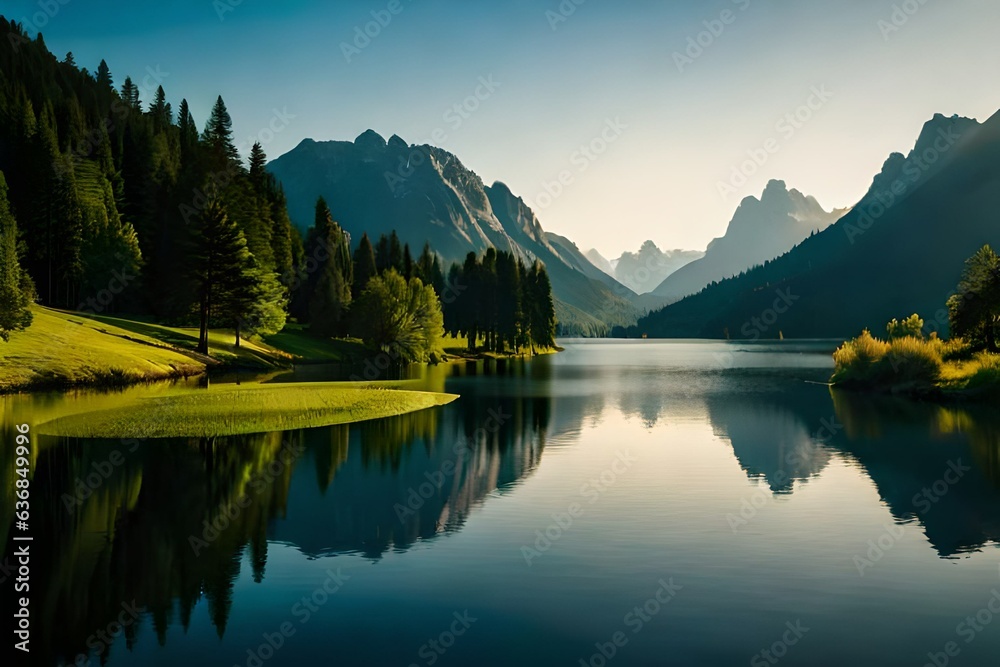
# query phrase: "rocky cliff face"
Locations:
[[760, 230], [427, 195]]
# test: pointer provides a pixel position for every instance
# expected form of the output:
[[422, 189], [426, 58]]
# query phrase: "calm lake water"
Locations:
[[621, 503]]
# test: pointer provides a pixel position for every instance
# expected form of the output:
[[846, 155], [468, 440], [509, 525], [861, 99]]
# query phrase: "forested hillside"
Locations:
[[109, 194], [119, 205]]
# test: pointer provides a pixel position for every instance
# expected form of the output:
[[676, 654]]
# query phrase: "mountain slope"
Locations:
[[760, 230], [586, 298], [900, 250], [427, 195]]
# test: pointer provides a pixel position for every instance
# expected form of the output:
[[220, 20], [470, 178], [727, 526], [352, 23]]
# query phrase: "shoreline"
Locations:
[[921, 392], [66, 351]]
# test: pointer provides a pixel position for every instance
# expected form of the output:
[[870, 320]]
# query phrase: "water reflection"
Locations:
[[170, 524], [933, 464], [164, 523], [770, 440], [937, 464]]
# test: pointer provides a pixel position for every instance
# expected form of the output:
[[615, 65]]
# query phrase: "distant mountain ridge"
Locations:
[[761, 229], [427, 195], [645, 270], [600, 261], [900, 250]]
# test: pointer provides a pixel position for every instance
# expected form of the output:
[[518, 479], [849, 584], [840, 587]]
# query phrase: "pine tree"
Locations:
[[16, 290], [407, 268], [218, 136], [130, 95], [255, 302], [508, 302], [488, 297], [258, 160], [382, 260], [220, 266], [329, 288], [160, 111], [364, 266], [104, 81], [188, 134], [469, 305], [541, 310], [428, 269], [395, 253]]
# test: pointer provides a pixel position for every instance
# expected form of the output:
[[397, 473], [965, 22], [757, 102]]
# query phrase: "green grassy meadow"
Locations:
[[63, 349]]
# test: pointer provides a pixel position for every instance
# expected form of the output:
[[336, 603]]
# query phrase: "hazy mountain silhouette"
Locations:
[[761, 229], [644, 270], [427, 195], [900, 250], [600, 261]]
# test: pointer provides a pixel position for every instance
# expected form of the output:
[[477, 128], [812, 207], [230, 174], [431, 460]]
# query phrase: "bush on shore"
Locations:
[[908, 361]]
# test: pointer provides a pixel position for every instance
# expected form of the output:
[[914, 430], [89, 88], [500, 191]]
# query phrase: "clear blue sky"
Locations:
[[561, 82]]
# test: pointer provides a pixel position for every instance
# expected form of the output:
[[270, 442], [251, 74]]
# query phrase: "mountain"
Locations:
[[645, 270], [427, 195], [760, 230], [900, 250], [600, 261]]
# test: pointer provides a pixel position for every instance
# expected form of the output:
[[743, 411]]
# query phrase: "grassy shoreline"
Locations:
[[65, 350]]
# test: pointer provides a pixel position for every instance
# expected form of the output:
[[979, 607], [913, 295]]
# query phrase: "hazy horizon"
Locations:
[[549, 83]]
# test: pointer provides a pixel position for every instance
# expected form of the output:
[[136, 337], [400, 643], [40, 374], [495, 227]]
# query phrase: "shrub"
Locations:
[[987, 371], [912, 326], [873, 362], [855, 360], [911, 359], [956, 349]]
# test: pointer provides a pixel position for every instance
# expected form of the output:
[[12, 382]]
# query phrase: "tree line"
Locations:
[[501, 303]]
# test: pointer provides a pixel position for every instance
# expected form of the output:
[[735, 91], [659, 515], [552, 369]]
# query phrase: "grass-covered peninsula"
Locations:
[[241, 409]]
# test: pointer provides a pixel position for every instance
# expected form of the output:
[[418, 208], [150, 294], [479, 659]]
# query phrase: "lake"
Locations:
[[620, 503]]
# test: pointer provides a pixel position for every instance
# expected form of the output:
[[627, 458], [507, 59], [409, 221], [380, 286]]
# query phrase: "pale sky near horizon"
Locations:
[[672, 133]]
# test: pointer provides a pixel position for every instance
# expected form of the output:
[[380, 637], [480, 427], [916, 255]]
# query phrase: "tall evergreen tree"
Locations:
[[258, 159], [329, 288], [218, 136], [160, 111], [16, 290], [130, 95], [188, 133], [407, 268], [541, 310], [104, 81], [364, 266], [220, 266], [428, 269], [395, 253], [383, 261], [508, 302]]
